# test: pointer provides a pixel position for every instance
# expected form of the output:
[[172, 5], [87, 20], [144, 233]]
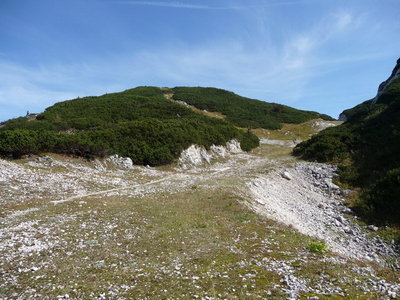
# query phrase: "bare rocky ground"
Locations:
[[238, 228], [305, 197]]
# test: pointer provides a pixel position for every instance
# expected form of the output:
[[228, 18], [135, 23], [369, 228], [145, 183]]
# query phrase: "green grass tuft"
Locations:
[[318, 247]]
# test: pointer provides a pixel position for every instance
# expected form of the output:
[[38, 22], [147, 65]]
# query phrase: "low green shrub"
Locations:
[[318, 247]]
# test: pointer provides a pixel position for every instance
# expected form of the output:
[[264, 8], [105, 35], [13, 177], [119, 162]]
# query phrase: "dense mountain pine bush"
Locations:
[[241, 111], [367, 147]]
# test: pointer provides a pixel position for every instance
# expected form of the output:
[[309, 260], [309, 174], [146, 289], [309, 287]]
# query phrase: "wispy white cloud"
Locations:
[[281, 72], [303, 50], [177, 4], [173, 4], [344, 20]]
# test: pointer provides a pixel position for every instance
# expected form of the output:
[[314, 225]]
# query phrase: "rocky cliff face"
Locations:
[[342, 117], [382, 87]]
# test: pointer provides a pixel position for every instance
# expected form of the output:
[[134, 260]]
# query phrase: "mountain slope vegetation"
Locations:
[[139, 123], [142, 124], [241, 111], [367, 148]]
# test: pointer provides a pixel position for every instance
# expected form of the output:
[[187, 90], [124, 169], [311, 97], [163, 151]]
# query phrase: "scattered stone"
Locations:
[[309, 205], [341, 219], [34, 269], [337, 223], [330, 185], [348, 211], [372, 227], [348, 230], [286, 175]]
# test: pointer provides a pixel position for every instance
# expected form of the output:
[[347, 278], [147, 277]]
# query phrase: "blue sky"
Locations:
[[310, 54]]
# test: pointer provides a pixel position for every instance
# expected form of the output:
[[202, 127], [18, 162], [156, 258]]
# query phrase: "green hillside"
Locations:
[[367, 147], [241, 111], [139, 123], [143, 124]]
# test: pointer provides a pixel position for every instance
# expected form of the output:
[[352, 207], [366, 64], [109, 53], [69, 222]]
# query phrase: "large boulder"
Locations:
[[194, 156], [120, 162]]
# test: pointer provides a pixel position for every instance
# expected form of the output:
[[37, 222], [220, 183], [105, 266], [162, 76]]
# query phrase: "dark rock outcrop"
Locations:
[[382, 87], [342, 117]]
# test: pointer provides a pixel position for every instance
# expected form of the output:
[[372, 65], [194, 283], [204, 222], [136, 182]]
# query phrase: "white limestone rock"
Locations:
[[121, 162], [219, 151], [233, 146], [194, 156], [372, 227], [286, 175]]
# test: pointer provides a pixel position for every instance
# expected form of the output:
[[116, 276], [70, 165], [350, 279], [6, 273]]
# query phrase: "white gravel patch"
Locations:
[[305, 197]]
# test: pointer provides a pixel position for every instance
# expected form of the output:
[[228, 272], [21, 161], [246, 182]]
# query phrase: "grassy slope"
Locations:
[[367, 146], [290, 132], [241, 111]]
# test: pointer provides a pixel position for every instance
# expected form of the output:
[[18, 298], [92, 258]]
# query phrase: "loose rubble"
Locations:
[[306, 198]]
